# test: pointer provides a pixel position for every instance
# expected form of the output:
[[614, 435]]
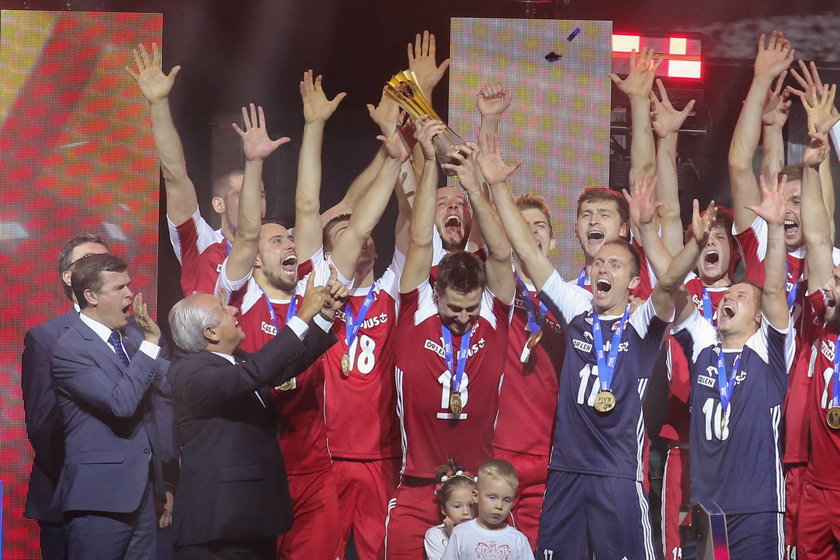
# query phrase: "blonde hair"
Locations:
[[500, 469]]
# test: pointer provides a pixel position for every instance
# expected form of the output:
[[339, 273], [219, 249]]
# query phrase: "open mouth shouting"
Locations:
[[726, 313], [289, 264], [791, 228], [602, 287], [452, 226]]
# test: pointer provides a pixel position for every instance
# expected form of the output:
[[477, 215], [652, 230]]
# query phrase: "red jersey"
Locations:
[[824, 441], [528, 400], [431, 432], [677, 415], [201, 250], [300, 401], [361, 405], [752, 243]]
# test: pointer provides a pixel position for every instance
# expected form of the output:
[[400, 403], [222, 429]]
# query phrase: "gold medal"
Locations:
[[534, 339], [604, 401], [832, 418], [287, 386], [345, 365], [455, 404]]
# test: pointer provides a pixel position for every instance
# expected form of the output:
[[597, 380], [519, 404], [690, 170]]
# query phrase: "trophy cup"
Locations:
[[405, 90]]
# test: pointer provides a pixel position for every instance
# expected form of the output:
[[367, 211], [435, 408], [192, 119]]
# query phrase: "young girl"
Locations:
[[454, 495]]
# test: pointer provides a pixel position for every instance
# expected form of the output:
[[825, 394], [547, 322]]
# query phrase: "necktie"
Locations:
[[114, 339]]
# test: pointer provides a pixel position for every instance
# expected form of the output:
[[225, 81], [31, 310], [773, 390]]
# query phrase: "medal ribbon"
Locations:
[[355, 324], [607, 366], [462, 355], [791, 297], [289, 314], [708, 313], [726, 383], [835, 378], [535, 319], [581, 281]]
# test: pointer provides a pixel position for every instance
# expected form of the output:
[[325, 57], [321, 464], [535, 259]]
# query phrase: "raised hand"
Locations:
[[490, 161], [492, 100], [314, 299], [817, 150], [151, 331], [774, 55], [777, 106], [465, 156], [773, 200], [337, 295], [701, 225], [385, 115], [821, 112], [639, 82], [316, 107], [421, 61], [809, 79], [664, 118], [425, 130], [153, 82], [641, 200], [255, 141], [394, 146]]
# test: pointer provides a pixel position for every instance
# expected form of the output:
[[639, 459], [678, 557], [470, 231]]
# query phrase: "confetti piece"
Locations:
[[553, 56], [573, 34]]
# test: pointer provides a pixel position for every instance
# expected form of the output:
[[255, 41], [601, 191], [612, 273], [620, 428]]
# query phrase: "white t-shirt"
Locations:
[[435, 542], [469, 541]]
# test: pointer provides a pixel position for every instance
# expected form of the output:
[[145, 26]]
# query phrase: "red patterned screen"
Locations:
[[76, 154]]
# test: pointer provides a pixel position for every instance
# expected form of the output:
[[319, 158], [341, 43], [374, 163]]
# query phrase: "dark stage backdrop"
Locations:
[[77, 155]]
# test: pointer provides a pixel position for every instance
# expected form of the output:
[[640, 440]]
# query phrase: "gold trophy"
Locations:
[[405, 90]]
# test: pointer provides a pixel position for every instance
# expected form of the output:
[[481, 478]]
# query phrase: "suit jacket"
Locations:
[[109, 413], [232, 480], [43, 420]]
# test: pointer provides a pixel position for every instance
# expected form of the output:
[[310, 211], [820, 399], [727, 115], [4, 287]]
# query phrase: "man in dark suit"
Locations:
[[111, 389], [232, 498], [43, 420]]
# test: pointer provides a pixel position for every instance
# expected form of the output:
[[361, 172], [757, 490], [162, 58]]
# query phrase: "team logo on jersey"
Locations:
[[827, 349], [436, 346], [582, 346], [268, 329], [370, 322], [698, 303], [708, 380]]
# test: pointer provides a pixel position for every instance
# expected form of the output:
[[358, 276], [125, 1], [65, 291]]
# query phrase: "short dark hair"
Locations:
[[287, 223], [331, 225], [221, 184], [600, 194], [637, 258], [462, 272], [793, 172], [65, 256], [534, 201], [86, 273]]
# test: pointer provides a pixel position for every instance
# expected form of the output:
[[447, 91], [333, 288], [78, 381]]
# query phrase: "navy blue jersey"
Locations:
[[737, 463], [585, 440]]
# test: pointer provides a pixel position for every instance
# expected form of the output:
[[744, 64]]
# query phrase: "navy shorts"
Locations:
[[584, 513]]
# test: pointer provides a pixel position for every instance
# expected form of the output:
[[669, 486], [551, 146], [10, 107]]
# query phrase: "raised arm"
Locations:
[[316, 110], [181, 200], [772, 210], [385, 116], [773, 58], [822, 114], [498, 265], [256, 146], [420, 250], [638, 85], [678, 299], [370, 209], [773, 119], [422, 61], [643, 210], [492, 101], [815, 220], [666, 123]]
